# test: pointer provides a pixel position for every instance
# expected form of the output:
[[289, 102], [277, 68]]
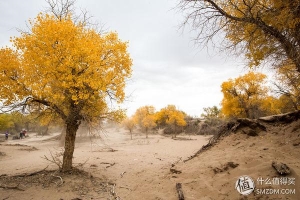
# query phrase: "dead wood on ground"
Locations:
[[282, 118], [179, 191], [281, 168]]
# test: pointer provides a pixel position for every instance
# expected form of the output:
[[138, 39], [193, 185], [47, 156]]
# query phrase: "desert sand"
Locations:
[[116, 167]]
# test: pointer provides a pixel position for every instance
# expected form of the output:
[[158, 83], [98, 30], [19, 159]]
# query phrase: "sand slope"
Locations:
[[202, 177]]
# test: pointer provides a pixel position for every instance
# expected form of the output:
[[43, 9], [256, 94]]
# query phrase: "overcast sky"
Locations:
[[168, 68]]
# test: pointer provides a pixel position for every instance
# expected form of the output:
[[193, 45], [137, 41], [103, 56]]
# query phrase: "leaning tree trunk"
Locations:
[[71, 129]]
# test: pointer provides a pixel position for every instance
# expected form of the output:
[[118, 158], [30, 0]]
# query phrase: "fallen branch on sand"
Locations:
[[12, 187], [281, 168], [125, 188], [106, 149], [177, 161], [31, 174], [175, 171], [179, 191], [114, 194], [284, 118], [109, 164], [122, 174], [28, 149], [182, 138], [225, 167], [81, 164]]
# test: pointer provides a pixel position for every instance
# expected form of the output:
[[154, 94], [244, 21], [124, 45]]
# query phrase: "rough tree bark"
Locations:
[[71, 130], [72, 121], [62, 137]]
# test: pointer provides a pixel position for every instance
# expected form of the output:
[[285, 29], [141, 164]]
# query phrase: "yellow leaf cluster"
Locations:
[[278, 15], [6, 122], [288, 84], [10, 71], [246, 96], [145, 117], [129, 124], [171, 116], [64, 64]]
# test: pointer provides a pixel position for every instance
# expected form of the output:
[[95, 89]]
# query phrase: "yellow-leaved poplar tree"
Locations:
[[163, 115], [145, 118], [67, 68], [129, 124], [171, 116], [176, 120], [245, 96]]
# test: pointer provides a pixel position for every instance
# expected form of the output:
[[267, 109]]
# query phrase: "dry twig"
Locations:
[[61, 180], [55, 158], [122, 174]]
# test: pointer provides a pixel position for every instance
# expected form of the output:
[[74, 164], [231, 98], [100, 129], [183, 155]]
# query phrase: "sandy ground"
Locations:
[[131, 166], [140, 168]]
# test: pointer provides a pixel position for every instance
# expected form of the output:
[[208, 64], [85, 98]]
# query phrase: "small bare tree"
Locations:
[[129, 124]]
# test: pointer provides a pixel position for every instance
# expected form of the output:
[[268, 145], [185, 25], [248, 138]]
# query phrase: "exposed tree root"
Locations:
[[283, 118], [30, 174], [11, 187]]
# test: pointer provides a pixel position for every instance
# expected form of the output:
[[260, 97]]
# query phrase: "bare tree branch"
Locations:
[[210, 18]]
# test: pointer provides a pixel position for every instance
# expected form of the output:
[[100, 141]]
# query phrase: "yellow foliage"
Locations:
[[64, 65], [176, 118], [288, 84], [129, 124], [286, 104], [145, 117], [270, 106], [6, 122], [246, 96], [149, 122], [257, 20], [171, 116]]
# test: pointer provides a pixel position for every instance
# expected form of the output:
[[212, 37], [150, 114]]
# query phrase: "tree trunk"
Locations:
[[175, 130], [71, 130], [62, 138]]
